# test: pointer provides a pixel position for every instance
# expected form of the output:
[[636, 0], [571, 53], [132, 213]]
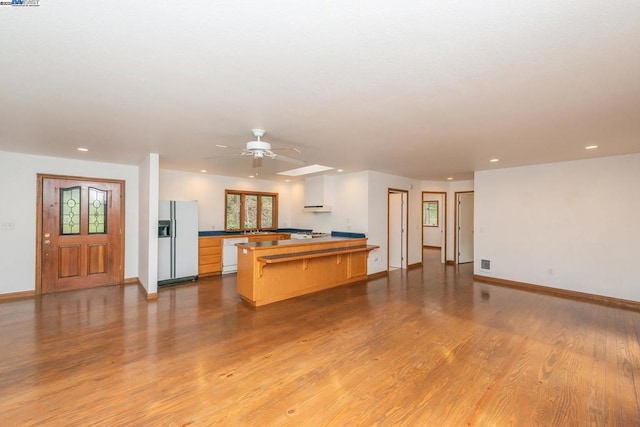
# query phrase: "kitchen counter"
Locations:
[[210, 248], [224, 233], [292, 243], [277, 270]]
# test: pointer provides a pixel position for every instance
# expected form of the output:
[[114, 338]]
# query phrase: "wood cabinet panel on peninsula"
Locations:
[[277, 270], [210, 250]]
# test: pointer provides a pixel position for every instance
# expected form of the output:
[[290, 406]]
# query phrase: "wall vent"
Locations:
[[485, 264]]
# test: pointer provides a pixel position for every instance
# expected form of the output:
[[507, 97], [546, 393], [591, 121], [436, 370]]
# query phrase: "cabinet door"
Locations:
[[357, 264]]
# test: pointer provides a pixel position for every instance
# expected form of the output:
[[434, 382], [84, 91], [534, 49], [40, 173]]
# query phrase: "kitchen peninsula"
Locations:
[[277, 270]]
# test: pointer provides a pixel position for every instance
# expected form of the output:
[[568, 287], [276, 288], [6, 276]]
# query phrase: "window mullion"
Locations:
[[259, 212], [242, 211]]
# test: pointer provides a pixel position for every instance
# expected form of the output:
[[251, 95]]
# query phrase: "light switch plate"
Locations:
[[8, 226]]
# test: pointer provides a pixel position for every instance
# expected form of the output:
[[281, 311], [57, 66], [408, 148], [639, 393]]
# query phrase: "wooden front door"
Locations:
[[80, 233]]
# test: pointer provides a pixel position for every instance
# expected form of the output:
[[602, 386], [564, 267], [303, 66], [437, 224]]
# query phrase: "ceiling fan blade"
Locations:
[[295, 150], [291, 160], [223, 156]]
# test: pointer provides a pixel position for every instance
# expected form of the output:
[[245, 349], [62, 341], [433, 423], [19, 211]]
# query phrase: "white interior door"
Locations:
[[441, 226], [465, 227], [403, 230], [395, 230]]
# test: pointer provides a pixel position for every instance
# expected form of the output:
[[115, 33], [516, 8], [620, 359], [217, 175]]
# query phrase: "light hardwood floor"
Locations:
[[427, 347]]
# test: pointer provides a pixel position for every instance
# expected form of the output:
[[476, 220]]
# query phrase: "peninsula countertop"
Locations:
[[296, 242]]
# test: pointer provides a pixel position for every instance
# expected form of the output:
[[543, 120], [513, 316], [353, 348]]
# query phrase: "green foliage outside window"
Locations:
[[430, 214], [232, 221], [247, 211]]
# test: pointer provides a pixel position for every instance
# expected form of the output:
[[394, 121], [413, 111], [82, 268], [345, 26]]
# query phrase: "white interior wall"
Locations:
[[18, 186], [349, 204], [209, 189], [571, 225], [450, 187], [396, 239], [317, 221], [454, 187], [379, 184], [148, 224], [351, 199]]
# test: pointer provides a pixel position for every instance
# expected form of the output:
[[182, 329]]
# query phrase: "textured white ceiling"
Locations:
[[420, 89]]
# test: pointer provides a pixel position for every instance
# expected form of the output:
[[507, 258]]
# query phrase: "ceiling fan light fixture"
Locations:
[[258, 146]]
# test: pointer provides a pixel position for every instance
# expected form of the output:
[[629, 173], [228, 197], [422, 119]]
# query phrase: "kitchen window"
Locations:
[[246, 211], [430, 214]]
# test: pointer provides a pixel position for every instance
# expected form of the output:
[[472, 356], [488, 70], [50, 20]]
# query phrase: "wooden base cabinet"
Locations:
[[210, 250], [209, 256], [273, 272]]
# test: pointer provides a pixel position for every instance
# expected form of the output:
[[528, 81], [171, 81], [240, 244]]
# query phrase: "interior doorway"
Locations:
[[80, 233], [397, 226], [435, 235], [464, 227]]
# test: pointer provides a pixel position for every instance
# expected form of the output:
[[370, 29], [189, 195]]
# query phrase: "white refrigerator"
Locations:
[[177, 241]]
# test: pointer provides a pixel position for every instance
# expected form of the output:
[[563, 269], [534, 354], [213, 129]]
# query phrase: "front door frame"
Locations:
[[39, 195]]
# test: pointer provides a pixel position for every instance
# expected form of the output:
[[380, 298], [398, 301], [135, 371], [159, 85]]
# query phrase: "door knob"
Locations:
[[46, 242], [47, 235]]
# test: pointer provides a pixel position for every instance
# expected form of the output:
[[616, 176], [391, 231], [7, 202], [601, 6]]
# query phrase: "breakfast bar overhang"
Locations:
[[277, 270]]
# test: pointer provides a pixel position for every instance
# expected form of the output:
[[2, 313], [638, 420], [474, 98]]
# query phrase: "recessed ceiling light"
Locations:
[[82, 149], [222, 146], [305, 170], [287, 180], [251, 176], [450, 178], [340, 170], [494, 160], [203, 170], [590, 147]]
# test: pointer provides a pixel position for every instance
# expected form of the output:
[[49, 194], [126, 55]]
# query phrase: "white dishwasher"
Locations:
[[230, 254]]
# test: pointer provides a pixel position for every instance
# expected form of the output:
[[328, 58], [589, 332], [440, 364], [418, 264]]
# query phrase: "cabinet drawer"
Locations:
[[210, 251], [214, 241], [209, 268], [211, 259]]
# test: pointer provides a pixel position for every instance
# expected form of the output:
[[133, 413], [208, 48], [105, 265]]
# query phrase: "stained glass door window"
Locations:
[[70, 210], [97, 211]]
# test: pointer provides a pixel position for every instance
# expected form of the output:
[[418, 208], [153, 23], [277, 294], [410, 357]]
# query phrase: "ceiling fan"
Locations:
[[259, 149]]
